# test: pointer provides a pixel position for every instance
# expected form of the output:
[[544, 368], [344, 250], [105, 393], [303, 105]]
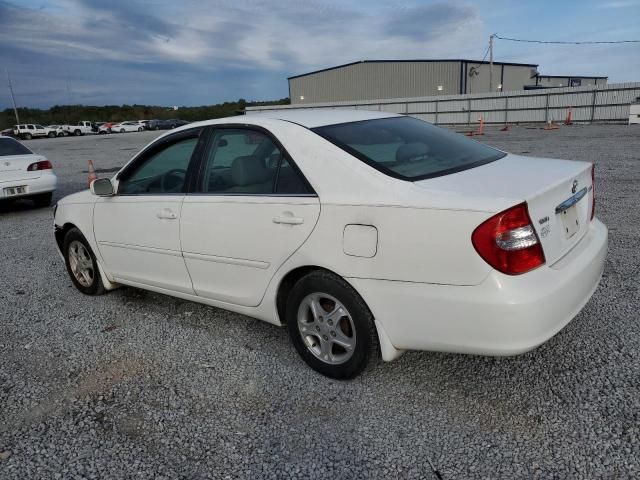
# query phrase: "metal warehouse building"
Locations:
[[388, 79], [380, 79], [550, 81]]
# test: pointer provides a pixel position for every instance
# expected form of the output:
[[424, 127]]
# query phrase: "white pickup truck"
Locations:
[[80, 128], [28, 131]]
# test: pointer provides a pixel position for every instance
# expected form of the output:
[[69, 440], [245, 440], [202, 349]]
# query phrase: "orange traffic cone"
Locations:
[[479, 131], [568, 120], [92, 173]]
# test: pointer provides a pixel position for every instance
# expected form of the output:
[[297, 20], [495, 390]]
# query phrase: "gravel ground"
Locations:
[[135, 384]]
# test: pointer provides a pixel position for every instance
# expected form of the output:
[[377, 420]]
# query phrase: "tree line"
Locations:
[[70, 114]]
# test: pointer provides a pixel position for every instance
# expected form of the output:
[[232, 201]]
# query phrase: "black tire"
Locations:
[[140, 129], [77, 133], [42, 200], [60, 134], [51, 134], [122, 130], [366, 351], [95, 287], [27, 136]]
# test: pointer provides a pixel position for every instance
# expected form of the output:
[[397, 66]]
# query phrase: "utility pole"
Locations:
[[13, 98], [491, 62]]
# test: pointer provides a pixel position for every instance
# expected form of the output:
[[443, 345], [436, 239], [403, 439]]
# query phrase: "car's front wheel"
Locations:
[[81, 264], [330, 326]]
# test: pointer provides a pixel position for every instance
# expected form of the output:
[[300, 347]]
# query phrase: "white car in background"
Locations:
[[123, 127], [362, 232], [24, 174], [56, 131]]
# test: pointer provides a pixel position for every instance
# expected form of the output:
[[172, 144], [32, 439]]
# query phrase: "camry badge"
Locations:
[[574, 187]]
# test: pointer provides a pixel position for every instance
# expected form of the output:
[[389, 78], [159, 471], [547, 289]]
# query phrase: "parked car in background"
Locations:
[[123, 127], [165, 124], [105, 128], [81, 128], [176, 122], [57, 131], [24, 174], [32, 130], [7, 132], [144, 123], [378, 233]]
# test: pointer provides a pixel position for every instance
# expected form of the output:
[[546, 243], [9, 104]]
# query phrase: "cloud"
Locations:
[[118, 50], [194, 51]]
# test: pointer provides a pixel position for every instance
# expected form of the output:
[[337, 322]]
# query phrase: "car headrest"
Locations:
[[411, 151], [248, 170]]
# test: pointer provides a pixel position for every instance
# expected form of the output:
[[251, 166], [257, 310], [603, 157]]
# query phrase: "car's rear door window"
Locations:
[[243, 161], [408, 148], [8, 146]]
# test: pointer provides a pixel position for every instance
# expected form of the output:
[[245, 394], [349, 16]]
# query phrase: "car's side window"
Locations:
[[163, 171], [244, 161]]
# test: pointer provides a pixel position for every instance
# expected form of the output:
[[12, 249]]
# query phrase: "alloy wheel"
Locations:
[[81, 264], [327, 328]]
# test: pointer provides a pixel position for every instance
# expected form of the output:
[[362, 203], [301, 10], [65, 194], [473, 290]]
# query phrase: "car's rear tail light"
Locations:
[[508, 242], [43, 165], [593, 191]]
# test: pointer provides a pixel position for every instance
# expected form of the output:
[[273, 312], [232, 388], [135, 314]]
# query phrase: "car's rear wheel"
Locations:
[[330, 326], [42, 200], [81, 264], [140, 129], [60, 134], [27, 136], [51, 134], [122, 130], [77, 133]]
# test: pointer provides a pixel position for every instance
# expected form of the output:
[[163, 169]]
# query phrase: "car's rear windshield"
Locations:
[[8, 146], [408, 148]]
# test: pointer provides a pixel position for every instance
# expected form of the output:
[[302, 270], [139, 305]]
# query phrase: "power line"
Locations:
[[566, 43]]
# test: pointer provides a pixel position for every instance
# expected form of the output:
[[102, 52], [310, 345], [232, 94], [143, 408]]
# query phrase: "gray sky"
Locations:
[[187, 52]]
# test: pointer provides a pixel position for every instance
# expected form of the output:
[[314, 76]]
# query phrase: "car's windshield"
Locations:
[[8, 146], [408, 148]]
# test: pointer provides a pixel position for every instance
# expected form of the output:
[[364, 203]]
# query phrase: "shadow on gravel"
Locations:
[[15, 206]]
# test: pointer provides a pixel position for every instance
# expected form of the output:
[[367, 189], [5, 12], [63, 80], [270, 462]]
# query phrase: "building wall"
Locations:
[[564, 81], [375, 81], [512, 77]]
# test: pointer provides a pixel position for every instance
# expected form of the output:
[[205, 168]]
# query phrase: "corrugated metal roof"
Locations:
[[456, 60]]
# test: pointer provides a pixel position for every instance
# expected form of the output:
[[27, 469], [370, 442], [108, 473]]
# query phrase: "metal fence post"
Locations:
[[436, 122], [506, 110], [468, 111], [546, 110], [593, 104]]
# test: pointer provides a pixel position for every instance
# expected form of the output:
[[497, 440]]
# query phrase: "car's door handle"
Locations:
[[288, 220], [166, 214]]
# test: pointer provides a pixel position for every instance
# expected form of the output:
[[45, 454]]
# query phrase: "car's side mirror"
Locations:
[[102, 187]]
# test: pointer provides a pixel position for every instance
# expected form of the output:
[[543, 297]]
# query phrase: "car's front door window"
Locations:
[[164, 171]]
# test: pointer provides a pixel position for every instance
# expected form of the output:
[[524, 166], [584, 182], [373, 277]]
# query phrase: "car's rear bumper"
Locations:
[[504, 315], [47, 182]]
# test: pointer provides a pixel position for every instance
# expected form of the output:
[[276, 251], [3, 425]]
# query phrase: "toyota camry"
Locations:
[[365, 234]]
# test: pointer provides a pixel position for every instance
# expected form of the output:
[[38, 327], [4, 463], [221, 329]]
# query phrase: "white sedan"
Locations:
[[24, 174], [127, 127], [365, 233]]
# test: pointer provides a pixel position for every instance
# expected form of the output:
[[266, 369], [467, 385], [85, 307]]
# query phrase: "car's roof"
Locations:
[[319, 117], [308, 117]]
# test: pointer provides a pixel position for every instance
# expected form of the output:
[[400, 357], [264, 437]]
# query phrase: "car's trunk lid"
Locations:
[[558, 194], [14, 167]]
